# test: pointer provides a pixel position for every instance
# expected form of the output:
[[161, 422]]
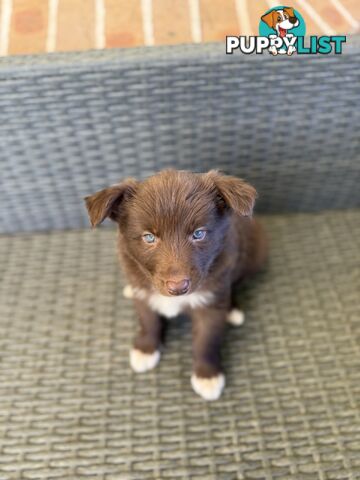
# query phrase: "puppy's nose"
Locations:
[[178, 287], [292, 20]]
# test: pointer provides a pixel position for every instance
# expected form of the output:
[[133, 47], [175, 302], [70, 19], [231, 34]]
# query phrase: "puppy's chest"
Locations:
[[172, 306]]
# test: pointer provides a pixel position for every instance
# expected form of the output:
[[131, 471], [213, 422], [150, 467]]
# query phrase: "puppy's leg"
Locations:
[[235, 316], [207, 379], [145, 354]]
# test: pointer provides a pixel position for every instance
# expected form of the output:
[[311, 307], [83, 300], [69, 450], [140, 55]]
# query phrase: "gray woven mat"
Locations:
[[71, 408]]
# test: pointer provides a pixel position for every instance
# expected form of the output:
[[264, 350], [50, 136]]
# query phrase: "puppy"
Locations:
[[281, 20], [184, 240]]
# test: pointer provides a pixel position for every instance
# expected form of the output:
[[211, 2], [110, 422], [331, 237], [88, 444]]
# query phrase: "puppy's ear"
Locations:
[[106, 203], [290, 11], [233, 193], [269, 19]]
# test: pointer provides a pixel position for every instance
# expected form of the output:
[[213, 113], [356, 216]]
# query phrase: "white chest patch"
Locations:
[[170, 306]]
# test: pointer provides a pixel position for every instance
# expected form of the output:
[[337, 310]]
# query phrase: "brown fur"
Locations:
[[171, 205]]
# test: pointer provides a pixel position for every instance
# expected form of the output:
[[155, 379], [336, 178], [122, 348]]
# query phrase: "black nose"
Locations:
[[178, 287], [292, 20]]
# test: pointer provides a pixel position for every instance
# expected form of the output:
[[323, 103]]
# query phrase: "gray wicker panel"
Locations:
[[71, 408], [71, 124]]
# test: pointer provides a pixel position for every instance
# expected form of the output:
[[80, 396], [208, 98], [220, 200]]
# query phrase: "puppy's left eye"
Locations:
[[199, 234], [149, 238]]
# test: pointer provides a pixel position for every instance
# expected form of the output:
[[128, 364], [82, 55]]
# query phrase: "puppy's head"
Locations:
[[281, 20], [174, 223]]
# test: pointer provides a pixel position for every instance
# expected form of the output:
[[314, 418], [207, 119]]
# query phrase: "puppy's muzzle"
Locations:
[[178, 287]]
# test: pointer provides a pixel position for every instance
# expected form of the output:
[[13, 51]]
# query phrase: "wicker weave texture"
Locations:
[[71, 408], [71, 124]]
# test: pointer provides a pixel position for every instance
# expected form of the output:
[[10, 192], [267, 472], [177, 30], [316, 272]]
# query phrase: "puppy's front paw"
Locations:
[[128, 291], [291, 50], [273, 50], [208, 388], [235, 317], [142, 362]]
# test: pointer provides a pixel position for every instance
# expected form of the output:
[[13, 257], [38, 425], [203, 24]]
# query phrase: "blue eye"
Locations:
[[149, 238], [199, 234]]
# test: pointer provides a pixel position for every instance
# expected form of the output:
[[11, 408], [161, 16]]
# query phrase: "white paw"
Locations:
[[273, 50], [128, 291], [142, 362], [208, 388], [291, 50], [235, 317]]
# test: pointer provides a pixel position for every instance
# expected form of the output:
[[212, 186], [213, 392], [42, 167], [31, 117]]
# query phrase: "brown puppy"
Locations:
[[184, 239]]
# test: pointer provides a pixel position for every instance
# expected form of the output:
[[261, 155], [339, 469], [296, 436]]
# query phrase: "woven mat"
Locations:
[[71, 408]]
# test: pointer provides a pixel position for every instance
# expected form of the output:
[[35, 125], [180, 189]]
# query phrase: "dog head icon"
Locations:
[[281, 20]]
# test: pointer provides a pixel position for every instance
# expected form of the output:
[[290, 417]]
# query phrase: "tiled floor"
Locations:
[[32, 26]]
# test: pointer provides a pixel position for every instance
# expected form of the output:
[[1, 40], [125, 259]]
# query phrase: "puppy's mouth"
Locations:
[[175, 293], [282, 32], [178, 293]]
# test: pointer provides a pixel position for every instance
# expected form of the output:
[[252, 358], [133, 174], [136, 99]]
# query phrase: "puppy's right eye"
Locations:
[[199, 234], [279, 19], [149, 238]]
